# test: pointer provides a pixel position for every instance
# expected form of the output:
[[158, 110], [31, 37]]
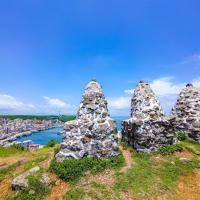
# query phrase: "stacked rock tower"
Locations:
[[186, 112], [147, 129], [144, 103], [93, 133]]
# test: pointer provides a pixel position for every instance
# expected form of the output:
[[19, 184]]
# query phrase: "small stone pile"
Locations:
[[93, 133], [147, 129], [186, 112]]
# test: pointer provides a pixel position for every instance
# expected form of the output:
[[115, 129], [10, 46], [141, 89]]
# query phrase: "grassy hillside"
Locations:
[[172, 173]]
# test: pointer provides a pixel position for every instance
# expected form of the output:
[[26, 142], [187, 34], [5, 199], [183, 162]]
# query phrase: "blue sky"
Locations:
[[49, 50]]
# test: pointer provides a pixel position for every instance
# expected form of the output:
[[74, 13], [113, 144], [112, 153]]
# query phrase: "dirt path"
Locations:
[[189, 187], [6, 161], [45, 164], [60, 187], [5, 185], [4, 188], [128, 159], [58, 190]]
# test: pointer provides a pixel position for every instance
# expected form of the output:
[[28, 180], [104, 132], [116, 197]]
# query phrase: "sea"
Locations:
[[43, 137]]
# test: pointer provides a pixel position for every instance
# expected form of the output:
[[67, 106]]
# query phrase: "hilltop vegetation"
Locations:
[[171, 173], [62, 118]]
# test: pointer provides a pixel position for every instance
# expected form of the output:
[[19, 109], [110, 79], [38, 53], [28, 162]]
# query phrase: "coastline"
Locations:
[[9, 141]]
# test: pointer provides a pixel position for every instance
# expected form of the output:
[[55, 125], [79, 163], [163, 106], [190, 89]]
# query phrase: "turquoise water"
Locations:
[[42, 137], [119, 121]]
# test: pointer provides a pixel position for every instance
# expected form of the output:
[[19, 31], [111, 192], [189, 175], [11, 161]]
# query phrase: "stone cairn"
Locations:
[[186, 112], [93, 133], [147, 129]]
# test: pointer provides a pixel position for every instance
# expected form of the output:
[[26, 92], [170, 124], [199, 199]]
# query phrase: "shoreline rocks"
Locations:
[[93, 133]]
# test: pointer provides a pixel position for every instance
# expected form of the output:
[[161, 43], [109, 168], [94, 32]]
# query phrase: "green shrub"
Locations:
[[181, 136], [169, 149], [72, 169], [52, 143], [36, 185]]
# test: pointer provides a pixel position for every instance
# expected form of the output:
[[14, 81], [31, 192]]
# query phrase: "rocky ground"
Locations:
[[154, 176]]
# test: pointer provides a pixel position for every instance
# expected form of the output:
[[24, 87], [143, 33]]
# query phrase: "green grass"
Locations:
[[191, 143], [181, 136], [7, 170], [140, 178], [52, 143], [103, 192], [74, 194], [35, 161], [38, 156], [40, 190], [148, 179], [169, 149], [71, 169], [10, 151], [169, 173]]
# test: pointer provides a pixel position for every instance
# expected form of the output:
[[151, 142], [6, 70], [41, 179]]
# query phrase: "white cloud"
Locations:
[[130, 91], [196, 82], [167, 90], [119, 106], [119, 102], [56, 106], [166, 86], [11, 104], [55, 102]]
